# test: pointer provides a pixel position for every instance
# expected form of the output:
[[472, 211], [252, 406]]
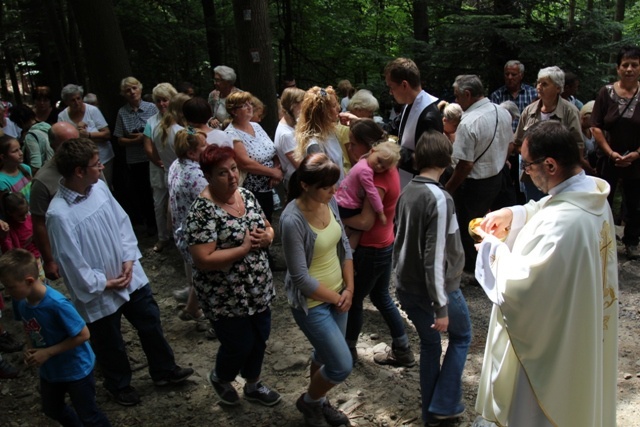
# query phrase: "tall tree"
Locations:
[[61, 43], [619, 17], [421, 20], [213, 34], [105, 53], [255, 57]]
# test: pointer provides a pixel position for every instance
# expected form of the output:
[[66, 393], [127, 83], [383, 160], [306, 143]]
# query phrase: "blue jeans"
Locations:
[[441, 385], [83, 396], [373, 272], [243, 341], [106, 339], [324, 327]]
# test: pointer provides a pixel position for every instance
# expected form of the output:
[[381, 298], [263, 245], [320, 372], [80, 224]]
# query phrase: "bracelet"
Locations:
[[347, 289]]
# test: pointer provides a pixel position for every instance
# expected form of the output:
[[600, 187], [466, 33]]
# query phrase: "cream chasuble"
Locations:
[[552, 336]]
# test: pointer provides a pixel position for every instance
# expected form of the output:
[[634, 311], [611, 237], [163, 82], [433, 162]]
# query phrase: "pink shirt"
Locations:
[[357, 184], [20, 235]]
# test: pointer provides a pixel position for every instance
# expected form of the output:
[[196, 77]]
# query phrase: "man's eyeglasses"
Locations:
[[527, 165], [96, 165]]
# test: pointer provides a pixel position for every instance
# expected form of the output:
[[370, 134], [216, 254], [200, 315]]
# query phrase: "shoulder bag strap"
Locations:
[[494, 136]]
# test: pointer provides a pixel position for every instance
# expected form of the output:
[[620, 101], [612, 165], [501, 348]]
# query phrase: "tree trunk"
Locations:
[[104, 51], [572, 13], [617, 34], [255, 57], [421, 20], [61, 43], [288, 39], [11, 67], [214, 45], [619, 17]]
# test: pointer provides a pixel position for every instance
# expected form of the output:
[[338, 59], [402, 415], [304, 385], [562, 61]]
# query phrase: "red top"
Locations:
[[381, 236]]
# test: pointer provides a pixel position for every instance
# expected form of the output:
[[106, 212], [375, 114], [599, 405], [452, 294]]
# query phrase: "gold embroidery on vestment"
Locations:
[[606, 251]]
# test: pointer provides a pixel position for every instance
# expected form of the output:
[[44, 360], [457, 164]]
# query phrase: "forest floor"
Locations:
[[372, 396]]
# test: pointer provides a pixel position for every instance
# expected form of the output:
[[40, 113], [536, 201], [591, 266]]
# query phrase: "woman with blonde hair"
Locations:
[[186, 181], [255, 152], [161, 94], [316, 128], [165, 133], [451, 116], [129, 130], [291, 102]]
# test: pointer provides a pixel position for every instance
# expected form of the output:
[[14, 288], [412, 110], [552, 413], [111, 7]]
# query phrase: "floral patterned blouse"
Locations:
[[244, 289], [186, 182], [259, 148]]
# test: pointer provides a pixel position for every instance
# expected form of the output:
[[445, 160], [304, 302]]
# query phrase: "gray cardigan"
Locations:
[[298, 241]]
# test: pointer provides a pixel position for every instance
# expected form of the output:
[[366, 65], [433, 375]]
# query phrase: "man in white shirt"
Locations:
[[93, 242], [483, 141]]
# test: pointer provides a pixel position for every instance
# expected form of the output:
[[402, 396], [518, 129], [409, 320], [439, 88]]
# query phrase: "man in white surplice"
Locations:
[[551, 351], [420, 112]]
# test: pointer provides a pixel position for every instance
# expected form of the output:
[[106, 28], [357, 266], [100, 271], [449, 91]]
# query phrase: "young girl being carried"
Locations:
[[359, 183], [15, 210]]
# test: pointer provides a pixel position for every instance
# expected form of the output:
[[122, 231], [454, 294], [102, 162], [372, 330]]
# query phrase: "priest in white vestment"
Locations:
[[551, 351]]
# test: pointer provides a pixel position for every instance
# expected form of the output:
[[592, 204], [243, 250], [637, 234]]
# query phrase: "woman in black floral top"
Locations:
[[228, 238]]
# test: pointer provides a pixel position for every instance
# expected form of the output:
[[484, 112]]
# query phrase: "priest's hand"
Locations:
[[497, 223]]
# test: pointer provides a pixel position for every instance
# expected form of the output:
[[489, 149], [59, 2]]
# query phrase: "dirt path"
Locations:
[[372, 395]]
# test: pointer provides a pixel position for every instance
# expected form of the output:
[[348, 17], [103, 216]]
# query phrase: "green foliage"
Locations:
[[336, 39], [166, 41]]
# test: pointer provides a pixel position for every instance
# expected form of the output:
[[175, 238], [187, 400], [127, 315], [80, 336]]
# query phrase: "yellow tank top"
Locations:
[[325, 264]]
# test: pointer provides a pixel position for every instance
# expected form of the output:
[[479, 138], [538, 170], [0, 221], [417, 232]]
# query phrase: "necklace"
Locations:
[[235, 206], [313, 214]]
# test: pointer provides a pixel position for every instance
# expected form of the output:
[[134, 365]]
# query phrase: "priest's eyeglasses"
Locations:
[[527, 165]]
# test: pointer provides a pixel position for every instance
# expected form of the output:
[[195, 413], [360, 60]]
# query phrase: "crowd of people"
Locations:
[[365, 202]]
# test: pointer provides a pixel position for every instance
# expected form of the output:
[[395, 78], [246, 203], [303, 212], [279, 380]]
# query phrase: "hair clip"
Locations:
[[191, 130], [323, 92]]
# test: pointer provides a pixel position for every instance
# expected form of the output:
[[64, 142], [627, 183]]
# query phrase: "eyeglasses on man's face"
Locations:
[[526, 165]]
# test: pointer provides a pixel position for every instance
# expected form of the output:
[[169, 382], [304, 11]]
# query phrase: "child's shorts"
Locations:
[[349, 212]]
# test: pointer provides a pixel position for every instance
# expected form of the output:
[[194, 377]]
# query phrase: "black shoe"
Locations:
[[176, 376], [262, 394], [333, 416], [127, 396], [225, 391], [8, 344], [312, 412]]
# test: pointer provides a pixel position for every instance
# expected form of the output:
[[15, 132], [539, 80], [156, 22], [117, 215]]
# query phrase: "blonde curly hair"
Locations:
[[317, 118]]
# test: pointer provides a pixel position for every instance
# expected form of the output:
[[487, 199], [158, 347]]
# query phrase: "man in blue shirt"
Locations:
[[514, 90]]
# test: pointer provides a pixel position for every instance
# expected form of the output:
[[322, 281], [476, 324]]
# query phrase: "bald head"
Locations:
[[61, 132]]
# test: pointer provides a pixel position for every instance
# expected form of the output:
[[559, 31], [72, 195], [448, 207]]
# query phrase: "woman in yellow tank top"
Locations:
[[319, 281]]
